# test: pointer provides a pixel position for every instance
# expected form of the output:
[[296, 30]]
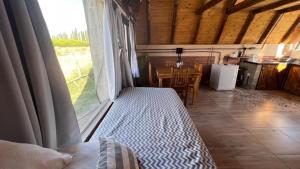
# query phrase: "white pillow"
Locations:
[[27, 156]]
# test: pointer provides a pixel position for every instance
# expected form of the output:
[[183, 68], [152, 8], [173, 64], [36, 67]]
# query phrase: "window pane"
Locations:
[[66, 22]]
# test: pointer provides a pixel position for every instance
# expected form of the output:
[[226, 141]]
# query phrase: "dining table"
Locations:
[[165, 73]]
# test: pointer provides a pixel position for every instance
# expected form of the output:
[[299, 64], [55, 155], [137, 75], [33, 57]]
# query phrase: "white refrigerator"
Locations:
[[223, 77]]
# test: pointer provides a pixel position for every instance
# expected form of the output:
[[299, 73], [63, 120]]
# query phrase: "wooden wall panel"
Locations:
[[282, 27], [186, 21], [257, 27], [210, 22], [160, 12], [232, 27], [141, 25]]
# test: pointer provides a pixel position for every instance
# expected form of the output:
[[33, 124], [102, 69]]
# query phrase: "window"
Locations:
[[66, 23]]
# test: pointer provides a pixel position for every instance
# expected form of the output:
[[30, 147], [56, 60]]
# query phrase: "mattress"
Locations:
[[156, 125]]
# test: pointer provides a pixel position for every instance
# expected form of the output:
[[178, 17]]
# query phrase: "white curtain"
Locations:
[[108, 46], [133, 59], [111, 50], [94, 11]]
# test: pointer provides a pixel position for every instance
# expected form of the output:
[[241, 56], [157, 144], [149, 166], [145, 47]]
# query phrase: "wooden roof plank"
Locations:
[[245, 27], [276, 18], [242, 5], [228, 4], [173, 28], [274, 22], [291, 30], [199, 12], [207, 6]]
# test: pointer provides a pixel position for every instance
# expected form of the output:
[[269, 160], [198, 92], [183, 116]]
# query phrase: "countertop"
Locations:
[[297, 62]]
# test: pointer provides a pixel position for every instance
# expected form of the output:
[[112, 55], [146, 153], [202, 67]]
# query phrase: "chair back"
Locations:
[[150, 76], [198, 68], [180, 78], [197, 81]]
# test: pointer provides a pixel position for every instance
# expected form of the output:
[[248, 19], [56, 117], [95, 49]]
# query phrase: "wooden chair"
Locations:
[[179, 82], [193, 86], [198, 68], [150, 76], [194, 81]]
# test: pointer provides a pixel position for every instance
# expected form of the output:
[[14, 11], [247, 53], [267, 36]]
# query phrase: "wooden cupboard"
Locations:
[[292, 83]]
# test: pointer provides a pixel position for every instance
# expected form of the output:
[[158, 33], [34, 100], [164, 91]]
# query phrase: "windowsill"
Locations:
[[88, 123]]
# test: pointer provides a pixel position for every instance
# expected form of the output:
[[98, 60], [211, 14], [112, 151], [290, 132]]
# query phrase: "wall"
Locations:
[[274, 50], [155, 50], [141, 25], [267, 50]]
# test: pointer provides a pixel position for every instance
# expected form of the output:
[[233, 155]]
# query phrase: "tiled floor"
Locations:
[[249, 129]]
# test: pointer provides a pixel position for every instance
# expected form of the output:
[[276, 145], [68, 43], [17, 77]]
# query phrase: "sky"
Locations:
[[63, 15]]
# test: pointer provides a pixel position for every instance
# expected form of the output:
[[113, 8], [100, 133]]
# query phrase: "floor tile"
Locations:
[[292, 161]]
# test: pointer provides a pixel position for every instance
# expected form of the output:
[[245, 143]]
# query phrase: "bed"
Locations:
[[156, 125]]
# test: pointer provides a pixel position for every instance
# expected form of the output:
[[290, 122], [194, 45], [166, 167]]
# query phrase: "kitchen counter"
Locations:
[[297, 62], [263, 62], [266, 75]]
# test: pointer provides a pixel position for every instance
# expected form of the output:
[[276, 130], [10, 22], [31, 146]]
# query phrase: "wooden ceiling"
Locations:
[[218, 21]]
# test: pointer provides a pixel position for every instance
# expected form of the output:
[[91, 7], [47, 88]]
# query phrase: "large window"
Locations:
[[66, 22]]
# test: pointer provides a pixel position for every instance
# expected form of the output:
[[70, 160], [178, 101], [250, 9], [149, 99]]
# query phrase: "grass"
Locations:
[[69, 43], [77, 67]]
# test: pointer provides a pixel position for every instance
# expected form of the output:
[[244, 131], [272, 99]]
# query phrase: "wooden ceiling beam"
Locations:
[[273, 5], [243, 5], [290, 9], [174, 18], [245, 27], [199, 12], [291, 30], [229, 3], [197, 29], [276, 18]]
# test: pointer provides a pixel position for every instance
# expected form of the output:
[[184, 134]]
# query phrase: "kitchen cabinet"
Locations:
[[270, 78], [292, 83]]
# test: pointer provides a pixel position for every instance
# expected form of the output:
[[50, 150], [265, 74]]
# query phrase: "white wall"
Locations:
[[272, 50]]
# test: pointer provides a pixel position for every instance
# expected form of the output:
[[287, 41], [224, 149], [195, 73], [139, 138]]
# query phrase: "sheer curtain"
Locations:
[[94, 11], [133, 58], [35, 103], [107, 40]]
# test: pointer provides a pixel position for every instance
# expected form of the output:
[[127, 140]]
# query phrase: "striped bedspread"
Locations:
[[156, 125]]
